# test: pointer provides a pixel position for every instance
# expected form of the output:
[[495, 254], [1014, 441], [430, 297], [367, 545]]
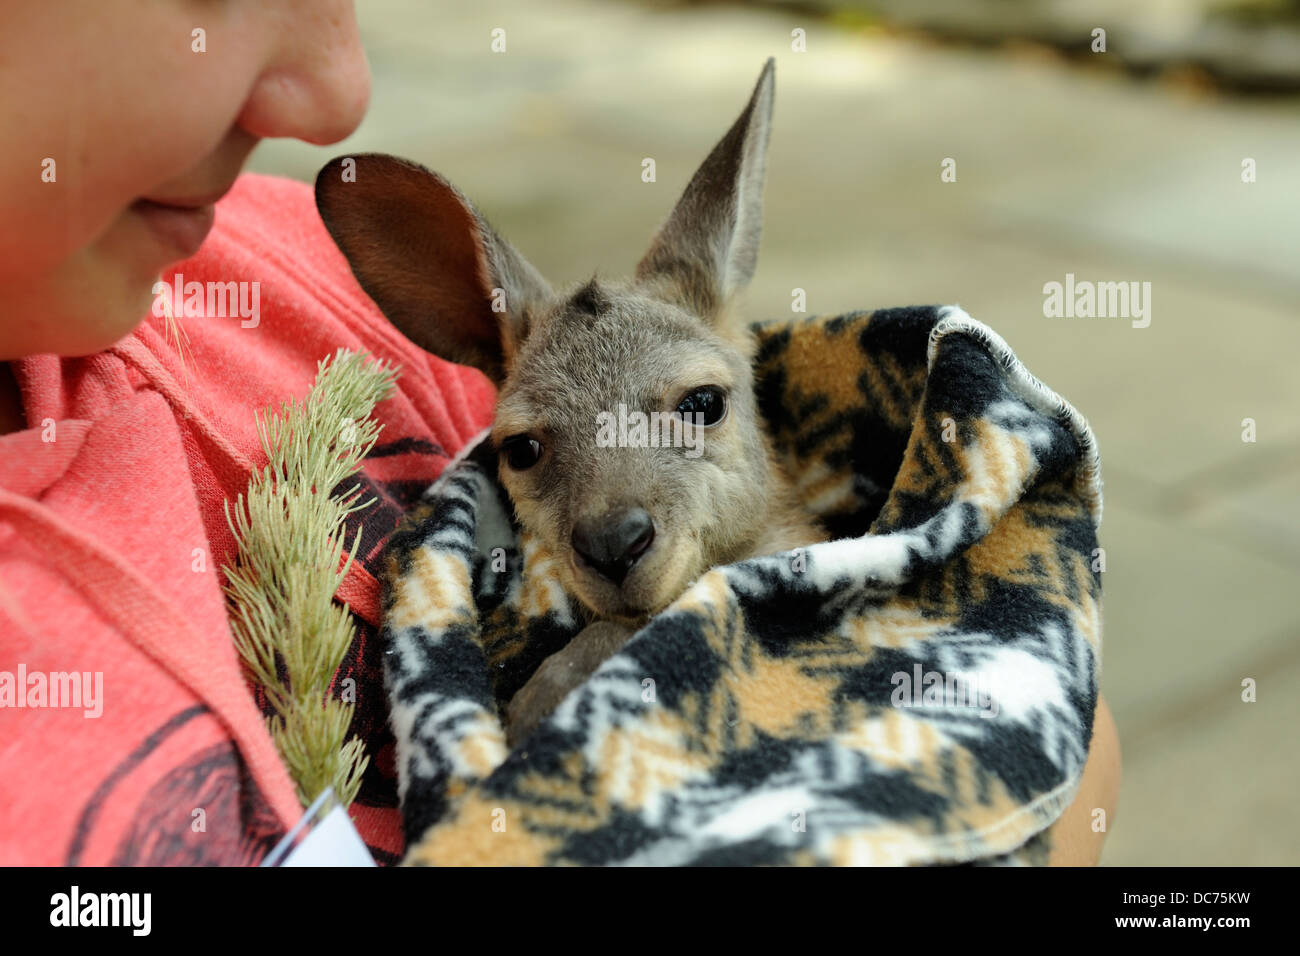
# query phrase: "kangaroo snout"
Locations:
[[613, 542]]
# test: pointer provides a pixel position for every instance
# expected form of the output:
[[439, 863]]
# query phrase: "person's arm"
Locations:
[[1074, 839]]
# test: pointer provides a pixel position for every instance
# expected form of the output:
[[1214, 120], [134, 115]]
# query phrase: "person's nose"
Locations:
[[317, 85]]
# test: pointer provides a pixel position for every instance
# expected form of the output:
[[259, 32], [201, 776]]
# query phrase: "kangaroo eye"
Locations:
[[521, 452], [709, 402]]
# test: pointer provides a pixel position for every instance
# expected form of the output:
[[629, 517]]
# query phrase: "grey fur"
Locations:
[[562, 359]]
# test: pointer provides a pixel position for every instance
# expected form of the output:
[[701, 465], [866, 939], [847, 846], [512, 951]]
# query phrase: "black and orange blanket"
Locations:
[[918, 690]]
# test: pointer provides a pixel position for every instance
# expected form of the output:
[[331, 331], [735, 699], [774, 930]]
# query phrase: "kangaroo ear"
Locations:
[[708, 248], [429, 260]]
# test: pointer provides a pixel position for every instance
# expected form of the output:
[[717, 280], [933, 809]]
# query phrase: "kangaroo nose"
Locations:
[[614, 542]]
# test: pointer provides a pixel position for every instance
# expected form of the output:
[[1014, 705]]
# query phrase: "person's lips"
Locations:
[[182, 228]]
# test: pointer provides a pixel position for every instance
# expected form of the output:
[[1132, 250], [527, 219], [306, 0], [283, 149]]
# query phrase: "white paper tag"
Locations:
[[324, 836]]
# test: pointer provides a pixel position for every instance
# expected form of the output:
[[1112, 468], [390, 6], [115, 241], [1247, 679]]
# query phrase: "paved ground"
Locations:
[[1060, 169]]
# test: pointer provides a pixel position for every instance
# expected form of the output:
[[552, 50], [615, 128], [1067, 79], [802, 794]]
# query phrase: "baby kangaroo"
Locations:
[[631, 526]]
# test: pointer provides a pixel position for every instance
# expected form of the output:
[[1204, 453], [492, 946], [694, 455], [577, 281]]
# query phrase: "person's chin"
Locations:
[[103, 291], [95, 300]]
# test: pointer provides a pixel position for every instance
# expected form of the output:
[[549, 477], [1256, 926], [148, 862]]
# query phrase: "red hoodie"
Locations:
[[113, 534]]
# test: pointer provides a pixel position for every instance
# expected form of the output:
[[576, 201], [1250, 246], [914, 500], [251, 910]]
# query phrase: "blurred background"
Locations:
[[1122, 165]]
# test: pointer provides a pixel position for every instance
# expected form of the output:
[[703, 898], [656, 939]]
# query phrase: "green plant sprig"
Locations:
[[290, 535]]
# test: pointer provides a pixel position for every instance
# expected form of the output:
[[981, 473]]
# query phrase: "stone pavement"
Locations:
[[1061, 169]]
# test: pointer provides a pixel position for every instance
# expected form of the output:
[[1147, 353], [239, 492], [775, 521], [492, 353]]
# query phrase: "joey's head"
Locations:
[[626, 424]]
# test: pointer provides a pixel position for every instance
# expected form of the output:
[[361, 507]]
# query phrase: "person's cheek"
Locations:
[[74, 255], [143, 107]]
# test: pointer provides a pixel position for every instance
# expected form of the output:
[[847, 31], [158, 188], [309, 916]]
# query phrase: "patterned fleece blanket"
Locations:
[[918, 690]]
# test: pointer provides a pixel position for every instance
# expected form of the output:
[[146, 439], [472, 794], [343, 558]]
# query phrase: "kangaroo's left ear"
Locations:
[[708, 248]]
